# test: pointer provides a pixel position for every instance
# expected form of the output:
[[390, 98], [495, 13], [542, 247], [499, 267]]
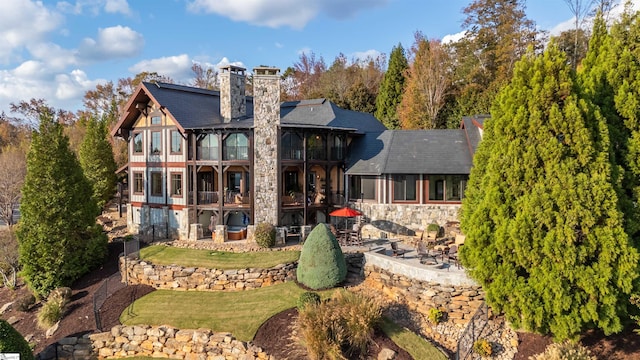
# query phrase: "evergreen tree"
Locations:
[[391, 89], [96, 159], [545, 236], [59, 239]]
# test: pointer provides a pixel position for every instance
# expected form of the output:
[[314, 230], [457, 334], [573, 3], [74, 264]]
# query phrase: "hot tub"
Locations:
[[236, 232]]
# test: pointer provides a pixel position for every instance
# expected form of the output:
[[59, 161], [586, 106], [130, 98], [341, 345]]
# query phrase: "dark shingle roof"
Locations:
[[406, 151], [472, 126], [193, 108], [324, 113]]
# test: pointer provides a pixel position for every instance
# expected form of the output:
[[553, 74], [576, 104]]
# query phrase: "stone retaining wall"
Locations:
[[173, 277], [168, 342], [458, 302]]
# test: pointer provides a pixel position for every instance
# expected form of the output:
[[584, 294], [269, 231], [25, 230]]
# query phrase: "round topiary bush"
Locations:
[[265, 235], [322, 264], [12, 342], [308, 297]]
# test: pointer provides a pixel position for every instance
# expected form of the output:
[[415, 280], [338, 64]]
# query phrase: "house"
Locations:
[[203, 161]]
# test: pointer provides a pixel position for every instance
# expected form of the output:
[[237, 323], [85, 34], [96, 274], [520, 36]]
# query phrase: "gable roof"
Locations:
[[193, 108], [473, 126], [440, 151]]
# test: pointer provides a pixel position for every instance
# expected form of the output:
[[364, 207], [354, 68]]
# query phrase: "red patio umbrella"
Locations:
[[345, 212]]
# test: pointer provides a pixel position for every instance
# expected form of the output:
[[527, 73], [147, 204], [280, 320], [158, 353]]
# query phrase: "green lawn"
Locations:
[[238, 312], [416, 346], [168, 255]]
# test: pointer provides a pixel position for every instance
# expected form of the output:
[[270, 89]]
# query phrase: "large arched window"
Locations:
[[236, 147]]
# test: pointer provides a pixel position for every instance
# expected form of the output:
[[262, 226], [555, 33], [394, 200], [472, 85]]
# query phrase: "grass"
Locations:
[[238, 312], [416, 346], [168, 255]]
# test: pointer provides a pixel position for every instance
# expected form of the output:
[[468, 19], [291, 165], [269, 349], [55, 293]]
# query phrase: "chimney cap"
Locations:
[[233, 69], [266, 70]]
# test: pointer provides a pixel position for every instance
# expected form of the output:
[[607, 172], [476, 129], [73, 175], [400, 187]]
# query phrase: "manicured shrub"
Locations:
[[308, 297], [322, 264], [24, 303], [482, 347], [567, 350], [265, 235], [339, 328], [12, 342], [435, 316]]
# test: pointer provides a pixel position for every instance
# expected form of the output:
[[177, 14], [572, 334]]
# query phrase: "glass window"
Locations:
[[291, 146], [316, 149], [208, 147], [363, 187], [156, 142], [137, 143], [176, 142], [337, 152], [236, 147], [156, 120], [447, 187], [176, 184], [404, 187], [156, 183], [138, 184]]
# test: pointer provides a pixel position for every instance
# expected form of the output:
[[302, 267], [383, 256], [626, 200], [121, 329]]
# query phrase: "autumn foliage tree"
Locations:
[[545, 235], [428, 81]]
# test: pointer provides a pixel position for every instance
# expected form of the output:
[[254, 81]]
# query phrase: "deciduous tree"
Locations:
[[13, 167], [545, 235], [59, 239]]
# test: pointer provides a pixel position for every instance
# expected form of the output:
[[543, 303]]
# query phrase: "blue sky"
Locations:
[[57, 50]]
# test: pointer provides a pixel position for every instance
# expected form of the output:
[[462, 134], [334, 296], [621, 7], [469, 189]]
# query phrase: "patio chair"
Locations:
[[452, 254], [423, 253], [396, 251]]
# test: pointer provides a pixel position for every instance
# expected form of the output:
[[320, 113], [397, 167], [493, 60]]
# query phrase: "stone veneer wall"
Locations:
[[175, 277], [232, 92], [266, 166], [168, 342], [399, 218]]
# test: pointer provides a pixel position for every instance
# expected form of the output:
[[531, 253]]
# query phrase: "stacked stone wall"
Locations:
[[406, 218], [173, 277], [169, 342]]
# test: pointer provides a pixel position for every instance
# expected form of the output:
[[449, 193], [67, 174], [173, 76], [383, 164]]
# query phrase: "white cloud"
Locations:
[[276, 13], [305, 50], [452, 38], [176, 67], [279, 45], [23, 22], [117, 6], [113, 42], [365, 56]]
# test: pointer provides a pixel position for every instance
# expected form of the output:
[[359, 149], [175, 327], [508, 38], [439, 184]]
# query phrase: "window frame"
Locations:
[[405, 181], [151, 145], [172, 183], [133, 142], [135, 182], [153, 189], [175, 134], [153, 118]]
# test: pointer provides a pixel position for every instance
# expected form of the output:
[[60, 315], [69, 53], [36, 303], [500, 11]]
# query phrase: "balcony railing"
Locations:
[[207, 153], [316, 153], [289, 153], [236, 153], [205, 197], [337, 153]]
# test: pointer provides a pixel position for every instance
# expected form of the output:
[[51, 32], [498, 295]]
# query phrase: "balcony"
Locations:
[[204, 197], [236, 153], [207, 153]]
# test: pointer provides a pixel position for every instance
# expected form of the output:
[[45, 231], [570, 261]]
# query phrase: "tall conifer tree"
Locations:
[[96, 159], [58, 236], [390, 93], [545, 236]]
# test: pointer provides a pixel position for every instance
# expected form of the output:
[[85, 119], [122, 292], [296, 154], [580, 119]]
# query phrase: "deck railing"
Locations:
[[472, 332]]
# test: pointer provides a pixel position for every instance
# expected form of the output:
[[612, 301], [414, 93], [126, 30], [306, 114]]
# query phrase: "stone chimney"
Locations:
[[232, 94], [266, 122]]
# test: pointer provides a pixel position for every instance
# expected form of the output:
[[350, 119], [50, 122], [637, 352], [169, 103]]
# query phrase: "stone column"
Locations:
[[232, 92], [266, 115], [221, 235]]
